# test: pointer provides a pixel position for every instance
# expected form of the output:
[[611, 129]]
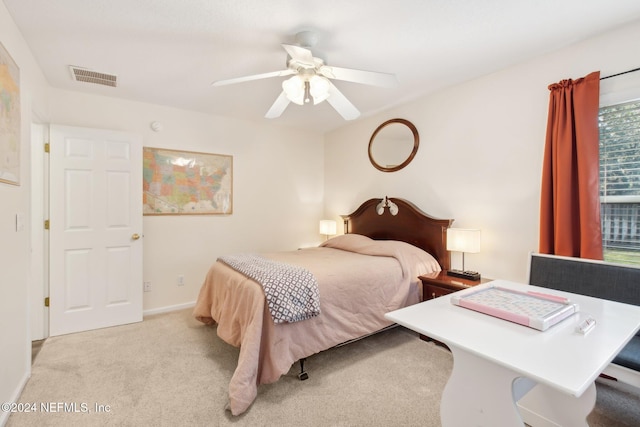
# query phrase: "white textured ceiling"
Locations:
[[169, 51]]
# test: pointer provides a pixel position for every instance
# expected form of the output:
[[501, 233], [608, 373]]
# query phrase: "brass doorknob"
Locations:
[[135, 236]]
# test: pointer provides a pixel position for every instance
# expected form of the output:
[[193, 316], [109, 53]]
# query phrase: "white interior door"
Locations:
[[95, 214]]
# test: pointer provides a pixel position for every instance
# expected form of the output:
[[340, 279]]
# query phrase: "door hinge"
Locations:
[[46, 302], [46, 147], [46, 224]]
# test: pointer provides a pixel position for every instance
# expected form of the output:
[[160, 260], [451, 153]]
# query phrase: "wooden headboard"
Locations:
[[409, 225]]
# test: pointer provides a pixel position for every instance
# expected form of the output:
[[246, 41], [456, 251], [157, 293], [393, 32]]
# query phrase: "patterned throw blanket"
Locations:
[[291, 291]]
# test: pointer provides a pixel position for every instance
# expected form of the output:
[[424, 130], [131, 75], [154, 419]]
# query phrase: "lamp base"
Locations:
[[469, 275]]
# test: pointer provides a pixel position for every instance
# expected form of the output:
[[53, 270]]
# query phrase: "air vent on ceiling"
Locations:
[[89, 76]]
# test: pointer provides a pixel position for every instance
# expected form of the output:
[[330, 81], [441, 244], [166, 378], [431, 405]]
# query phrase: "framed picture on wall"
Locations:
[[186, 183], [9, 119]]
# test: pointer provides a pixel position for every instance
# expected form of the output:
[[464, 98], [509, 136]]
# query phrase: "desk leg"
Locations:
[[546, 406], [480, 393]]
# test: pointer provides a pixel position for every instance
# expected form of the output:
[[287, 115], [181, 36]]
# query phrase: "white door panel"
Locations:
[[95, 216]]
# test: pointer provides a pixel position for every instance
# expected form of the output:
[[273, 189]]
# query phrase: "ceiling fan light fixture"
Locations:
[[294, 88], [312, 79], [318, 88]]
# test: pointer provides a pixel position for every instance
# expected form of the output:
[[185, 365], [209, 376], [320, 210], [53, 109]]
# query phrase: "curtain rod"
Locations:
[[619, 74]]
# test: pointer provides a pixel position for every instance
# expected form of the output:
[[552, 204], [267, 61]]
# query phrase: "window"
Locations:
[[619, 126]]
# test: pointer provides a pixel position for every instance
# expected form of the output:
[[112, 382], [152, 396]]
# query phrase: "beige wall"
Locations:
[[278, 183], [480, 153], [15, 356], [479, 162]]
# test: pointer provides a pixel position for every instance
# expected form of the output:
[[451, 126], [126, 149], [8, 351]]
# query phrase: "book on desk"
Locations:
[[533, 309]]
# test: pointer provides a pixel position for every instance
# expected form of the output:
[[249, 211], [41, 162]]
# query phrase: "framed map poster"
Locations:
[[186, 183], [9, 119]]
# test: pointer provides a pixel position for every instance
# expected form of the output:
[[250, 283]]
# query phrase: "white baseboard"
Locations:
[[168, 309], [4, 416]]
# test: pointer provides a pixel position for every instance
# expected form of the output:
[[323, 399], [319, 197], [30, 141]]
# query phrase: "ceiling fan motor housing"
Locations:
[[306, 39]]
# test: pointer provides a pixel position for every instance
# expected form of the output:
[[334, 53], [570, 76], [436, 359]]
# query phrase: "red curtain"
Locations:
[[570, 201]]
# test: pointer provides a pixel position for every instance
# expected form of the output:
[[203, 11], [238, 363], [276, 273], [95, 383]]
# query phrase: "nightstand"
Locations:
[[437, 285]]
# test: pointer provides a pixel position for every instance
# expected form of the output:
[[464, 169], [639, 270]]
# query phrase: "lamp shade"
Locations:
[[327, 227], [463, 240], [319, 89], [295, 89]]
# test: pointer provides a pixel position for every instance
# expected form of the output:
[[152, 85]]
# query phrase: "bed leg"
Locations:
[[303, 374]]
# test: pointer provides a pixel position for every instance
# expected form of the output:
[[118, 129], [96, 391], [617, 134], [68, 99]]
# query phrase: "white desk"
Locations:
[[496, 362]]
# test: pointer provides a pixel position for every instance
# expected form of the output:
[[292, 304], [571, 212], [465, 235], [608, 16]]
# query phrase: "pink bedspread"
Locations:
[[359, 280]]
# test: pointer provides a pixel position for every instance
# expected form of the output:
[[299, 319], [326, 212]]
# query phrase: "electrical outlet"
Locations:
[[147, 286], [181, 280]]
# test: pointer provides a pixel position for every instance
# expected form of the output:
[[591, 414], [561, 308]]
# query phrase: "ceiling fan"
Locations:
[[311, 80]]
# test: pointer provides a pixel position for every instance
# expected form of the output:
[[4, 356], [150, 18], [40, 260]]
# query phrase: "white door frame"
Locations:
[[38, 275], [38, 250]]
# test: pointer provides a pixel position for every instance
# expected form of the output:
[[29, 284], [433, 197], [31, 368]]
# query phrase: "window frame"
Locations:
[[620, 90]]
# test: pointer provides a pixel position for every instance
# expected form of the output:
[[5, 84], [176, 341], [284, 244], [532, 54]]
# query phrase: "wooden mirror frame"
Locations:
[[416, 143]]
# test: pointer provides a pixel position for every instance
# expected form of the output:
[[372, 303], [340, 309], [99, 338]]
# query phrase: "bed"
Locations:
[[361, 275]]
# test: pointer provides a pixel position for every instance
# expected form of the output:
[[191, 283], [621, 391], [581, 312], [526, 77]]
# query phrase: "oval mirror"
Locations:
[[393, 145]]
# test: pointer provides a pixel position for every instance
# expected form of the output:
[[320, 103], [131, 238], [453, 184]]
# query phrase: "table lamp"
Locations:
[[463, 240], [327, 227]]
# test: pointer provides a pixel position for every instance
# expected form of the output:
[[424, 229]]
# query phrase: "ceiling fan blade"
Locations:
[[278, 107], [359, 76], [300, 54], [253, 77], [341, 104]]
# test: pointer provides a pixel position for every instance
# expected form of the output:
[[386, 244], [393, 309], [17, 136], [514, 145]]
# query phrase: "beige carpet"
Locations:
[[170, 370]]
